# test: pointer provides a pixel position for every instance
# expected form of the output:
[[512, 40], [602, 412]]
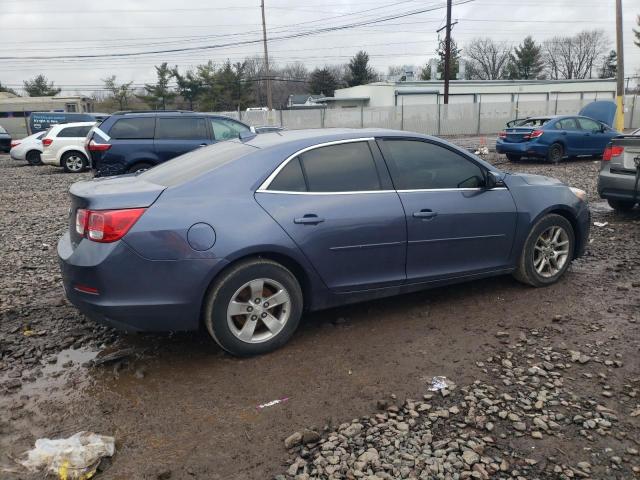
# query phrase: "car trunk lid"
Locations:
[[631, 152], [517, 134]]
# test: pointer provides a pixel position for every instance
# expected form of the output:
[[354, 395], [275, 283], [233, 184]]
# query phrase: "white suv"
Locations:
[[63, 146]]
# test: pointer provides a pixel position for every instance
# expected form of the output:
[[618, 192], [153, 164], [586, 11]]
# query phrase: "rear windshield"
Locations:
[[195, 163], [533, 122]]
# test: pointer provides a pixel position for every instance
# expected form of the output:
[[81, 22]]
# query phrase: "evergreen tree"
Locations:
[[637, 33], [360, 73], [159, 95], [526, 61], [189, 86], [7, 89], [609, 65], [322, 81], [40, 87], [425, 72], [454, 65]]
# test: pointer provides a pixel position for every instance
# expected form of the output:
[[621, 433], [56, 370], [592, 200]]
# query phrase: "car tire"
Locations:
[[245, 288], [33, 157], [621, 205], [555, 153], [540, 262], [74, 162], [512, 157], [139, 167]]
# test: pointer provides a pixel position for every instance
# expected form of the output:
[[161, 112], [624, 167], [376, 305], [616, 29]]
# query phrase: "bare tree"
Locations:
[[121, 93], [575, 57], [486, 59]]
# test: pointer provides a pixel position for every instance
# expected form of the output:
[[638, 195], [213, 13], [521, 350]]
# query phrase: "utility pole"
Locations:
[[447, 54], [619, 123], [266, 59]]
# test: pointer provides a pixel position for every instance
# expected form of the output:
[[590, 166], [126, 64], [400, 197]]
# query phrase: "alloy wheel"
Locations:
[[74, 163], [258, 310], [551, 251]]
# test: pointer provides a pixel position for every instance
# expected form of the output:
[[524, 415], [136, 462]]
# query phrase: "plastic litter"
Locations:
[[272, 403], [73, 458], [601, 224], [438, 383]]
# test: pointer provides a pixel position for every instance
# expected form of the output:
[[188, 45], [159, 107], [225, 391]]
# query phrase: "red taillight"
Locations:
[[502, 134], [98, 147], [106, 225], [47, 141], [14, 143], [86, 289], [612, 151], [534, 134]]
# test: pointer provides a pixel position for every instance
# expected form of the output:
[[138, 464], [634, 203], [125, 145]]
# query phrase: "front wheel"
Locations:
[[547, 252], [253, 308], [555, 153], [74, 162], [621, 205]]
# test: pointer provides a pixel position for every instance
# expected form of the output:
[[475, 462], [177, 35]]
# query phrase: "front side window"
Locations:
[[224, 129], [133, 128], [185, 128], [588, 124], [417, 165]]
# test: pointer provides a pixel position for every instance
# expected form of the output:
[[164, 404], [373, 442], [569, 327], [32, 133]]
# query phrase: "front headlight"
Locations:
[[581, 194]]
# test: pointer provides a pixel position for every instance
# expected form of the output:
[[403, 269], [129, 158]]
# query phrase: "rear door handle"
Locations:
[[425, 213], [309, 219]]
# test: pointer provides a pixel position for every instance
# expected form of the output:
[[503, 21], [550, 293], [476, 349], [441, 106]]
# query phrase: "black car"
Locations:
[[5, 140], [127, 142]]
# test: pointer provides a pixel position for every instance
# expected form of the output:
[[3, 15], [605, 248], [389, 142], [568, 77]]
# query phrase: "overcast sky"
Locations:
[[46, 28]]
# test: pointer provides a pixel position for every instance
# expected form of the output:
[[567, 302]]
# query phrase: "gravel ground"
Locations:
[[541, 383]]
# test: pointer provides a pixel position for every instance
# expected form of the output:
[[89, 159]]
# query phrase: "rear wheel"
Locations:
[[253, 308], [74, 162], [512, 157], [139, 167], [33, 157], [621, 205], [555, 153], [547, 251]]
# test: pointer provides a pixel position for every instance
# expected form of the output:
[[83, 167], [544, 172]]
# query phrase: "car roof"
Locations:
[[169, 113], [73, 124]]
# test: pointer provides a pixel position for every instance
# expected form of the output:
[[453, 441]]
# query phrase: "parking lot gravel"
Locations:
[[541, 383]]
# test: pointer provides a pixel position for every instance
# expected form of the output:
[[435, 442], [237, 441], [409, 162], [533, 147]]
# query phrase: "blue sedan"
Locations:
[[558, 137], [243, 236]]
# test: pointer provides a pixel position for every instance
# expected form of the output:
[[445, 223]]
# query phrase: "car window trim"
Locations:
[[263, 188]]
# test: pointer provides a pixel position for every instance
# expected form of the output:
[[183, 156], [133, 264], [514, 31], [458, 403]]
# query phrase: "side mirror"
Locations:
[[492, 181]]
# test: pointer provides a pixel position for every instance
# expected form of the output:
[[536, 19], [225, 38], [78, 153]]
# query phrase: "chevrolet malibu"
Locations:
[[244, 236]]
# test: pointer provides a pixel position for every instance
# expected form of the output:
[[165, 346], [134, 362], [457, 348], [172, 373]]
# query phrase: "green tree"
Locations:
[[189, 86], [323, 81], [121, 93], [609, 65], [7, 89], [39, 86], [425, 72], [360, 73], [637, 32], [159, 95], [454, 65], [233, 91], [526, 61]]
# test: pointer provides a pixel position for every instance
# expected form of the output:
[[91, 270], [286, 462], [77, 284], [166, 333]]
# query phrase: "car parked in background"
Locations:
[[128, 142], [245, 235], [5, 140], [619, 177], [64, 146], [558, 137], [28, 149]]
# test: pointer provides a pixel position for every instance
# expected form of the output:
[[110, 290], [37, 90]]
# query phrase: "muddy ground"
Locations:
[[181, 408]]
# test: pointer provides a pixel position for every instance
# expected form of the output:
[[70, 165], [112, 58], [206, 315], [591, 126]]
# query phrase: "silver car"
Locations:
[[619, 178]]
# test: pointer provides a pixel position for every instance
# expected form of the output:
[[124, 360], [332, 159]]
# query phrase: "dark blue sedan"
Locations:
[[245, 235], [557, 137]]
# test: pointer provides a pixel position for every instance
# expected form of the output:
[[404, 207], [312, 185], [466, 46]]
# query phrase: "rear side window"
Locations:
[[290, 178], [133, 128], [74, 132], [185, 128], [347, 167], [567, 124], [417, 165]]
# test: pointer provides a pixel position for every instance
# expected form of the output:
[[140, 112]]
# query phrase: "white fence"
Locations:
[[445, 120]]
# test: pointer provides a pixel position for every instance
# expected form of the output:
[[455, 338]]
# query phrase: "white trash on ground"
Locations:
[[439, 383], [73, 458]]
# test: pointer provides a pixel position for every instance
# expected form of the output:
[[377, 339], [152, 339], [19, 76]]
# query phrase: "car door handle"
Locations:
[[309, 219], [425, 213]]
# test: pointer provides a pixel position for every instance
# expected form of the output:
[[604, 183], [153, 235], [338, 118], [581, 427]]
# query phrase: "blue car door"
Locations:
[[596, 136], [454, 226], [337, 204], [176, 136], [571, 136]]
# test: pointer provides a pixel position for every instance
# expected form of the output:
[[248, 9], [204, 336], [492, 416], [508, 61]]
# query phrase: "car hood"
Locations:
[[601, 110], [531, 179]]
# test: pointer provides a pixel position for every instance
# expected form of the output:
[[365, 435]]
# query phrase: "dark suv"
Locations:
[[127, 142]]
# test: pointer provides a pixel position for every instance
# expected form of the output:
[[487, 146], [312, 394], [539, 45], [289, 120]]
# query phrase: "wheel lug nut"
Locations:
[[264, 315], [266, 304], [249, 309], [254, 317], [257, 300]]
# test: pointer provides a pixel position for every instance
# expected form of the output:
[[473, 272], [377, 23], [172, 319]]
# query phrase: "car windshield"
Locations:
[[195, 163], [2, 130]]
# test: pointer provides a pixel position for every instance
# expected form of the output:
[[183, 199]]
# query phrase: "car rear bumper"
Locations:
[[616, 186], [17, 154], [521, 148], [133, 293]]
